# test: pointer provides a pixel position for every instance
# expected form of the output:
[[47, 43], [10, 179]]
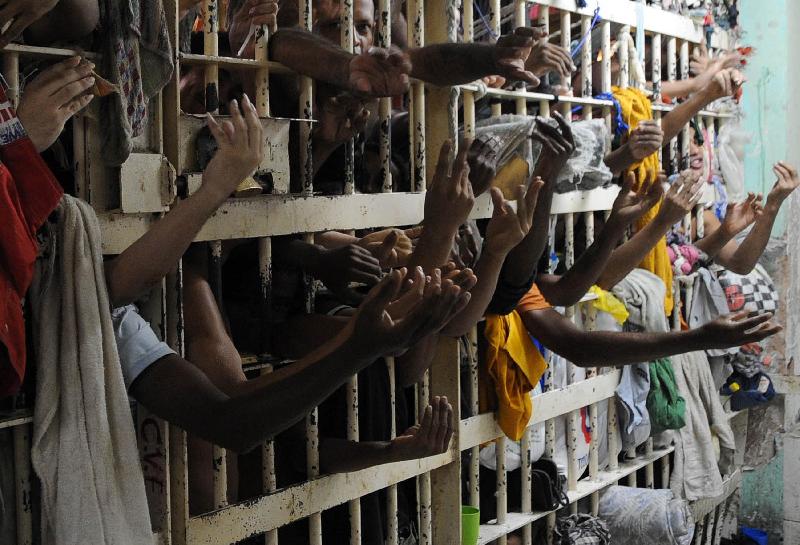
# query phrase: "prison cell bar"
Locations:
[[306, 110], [416, 114]]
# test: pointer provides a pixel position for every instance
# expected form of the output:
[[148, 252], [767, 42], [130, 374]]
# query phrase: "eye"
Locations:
[[363, 28]]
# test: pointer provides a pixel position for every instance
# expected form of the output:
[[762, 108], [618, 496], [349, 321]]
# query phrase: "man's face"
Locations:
[[328, 13], [699, 161]]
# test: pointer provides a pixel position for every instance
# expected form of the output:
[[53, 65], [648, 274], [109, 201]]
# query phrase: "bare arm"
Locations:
[[678, 201], [557, 147], [429, 438], [455, 64], [378, 72], [505, 230], [149, 259], [741, 260], [615, 349], [568, 289]]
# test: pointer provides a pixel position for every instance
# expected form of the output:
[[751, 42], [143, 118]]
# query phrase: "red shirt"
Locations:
[[28, 193]]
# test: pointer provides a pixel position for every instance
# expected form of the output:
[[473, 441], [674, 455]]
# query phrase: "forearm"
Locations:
[[714, 242], [487, 270], [143, 264], [451, 64], [302, 255], [334, 239], [311, 55], [410, 368], [343, 456], [523, 259], [679, 88], [322, 151], [615, 349], [674, 122], [628, 256], [433, 249], [619, 159], [567, 289], [746, 256]]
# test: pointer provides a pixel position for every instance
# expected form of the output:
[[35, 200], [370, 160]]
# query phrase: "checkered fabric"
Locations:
[[754, 292]]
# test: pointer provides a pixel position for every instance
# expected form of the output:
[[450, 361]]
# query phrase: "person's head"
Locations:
[[699, 157], [327, 14]]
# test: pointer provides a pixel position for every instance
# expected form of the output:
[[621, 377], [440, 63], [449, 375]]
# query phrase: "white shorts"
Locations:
[[137, 343]]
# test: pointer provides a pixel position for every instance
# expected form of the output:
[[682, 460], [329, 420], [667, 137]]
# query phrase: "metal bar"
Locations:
[[268, 475], [416, 38], [22, 477], [306, 110], [502, 485], [392, 528], [672, 75], [385, 104], [495, 15], [424, 480], [474, 467]]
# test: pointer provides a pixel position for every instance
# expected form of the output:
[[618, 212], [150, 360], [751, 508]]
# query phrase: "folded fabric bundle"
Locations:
[[518, 154], [643, 515]]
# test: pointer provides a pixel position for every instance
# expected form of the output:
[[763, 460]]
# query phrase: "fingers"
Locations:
[[747, 324], [68, 92], [627, 183], [443, 164], [239, 138], [388, 245], [216, 130], [253, 125], [532, 196], [767, 330], [460, 167], [75, 106], [426, 425], [498, 202], [54, 77], [445, 414], [384, 293]]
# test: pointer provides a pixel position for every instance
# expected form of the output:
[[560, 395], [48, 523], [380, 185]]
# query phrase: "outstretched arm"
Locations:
[[743, 258], [156, 253], [678, 201], [254, 410], [557, 147], [428, 438], [615, 349], [568, 289], [505, 230], [377, 72]]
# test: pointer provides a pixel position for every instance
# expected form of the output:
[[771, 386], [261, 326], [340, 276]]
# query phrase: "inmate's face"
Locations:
[[328, 13], [699, 160]]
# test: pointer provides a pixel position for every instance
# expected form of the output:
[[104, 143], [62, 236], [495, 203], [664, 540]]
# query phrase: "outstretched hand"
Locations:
[[739, 216], [683, 195], [630, 205], [511, 53], [737, 330], [548, 57], [450, 199], [558, 144], [380, 72], [787, 181], [507, 228], [431, 436], [645, 140], [375, 332], [239, 149]]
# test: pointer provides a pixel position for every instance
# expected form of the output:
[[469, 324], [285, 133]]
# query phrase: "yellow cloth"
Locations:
[[514, 365], [636, 107], [607, 302]]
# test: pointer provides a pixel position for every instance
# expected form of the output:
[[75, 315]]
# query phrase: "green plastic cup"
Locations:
[[470, 525]]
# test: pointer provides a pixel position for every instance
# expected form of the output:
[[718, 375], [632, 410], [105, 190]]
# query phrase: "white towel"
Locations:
[[84, 446], [696, 474]]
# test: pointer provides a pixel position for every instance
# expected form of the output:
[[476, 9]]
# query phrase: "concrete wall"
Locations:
[[765, 101], [771, 491]]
